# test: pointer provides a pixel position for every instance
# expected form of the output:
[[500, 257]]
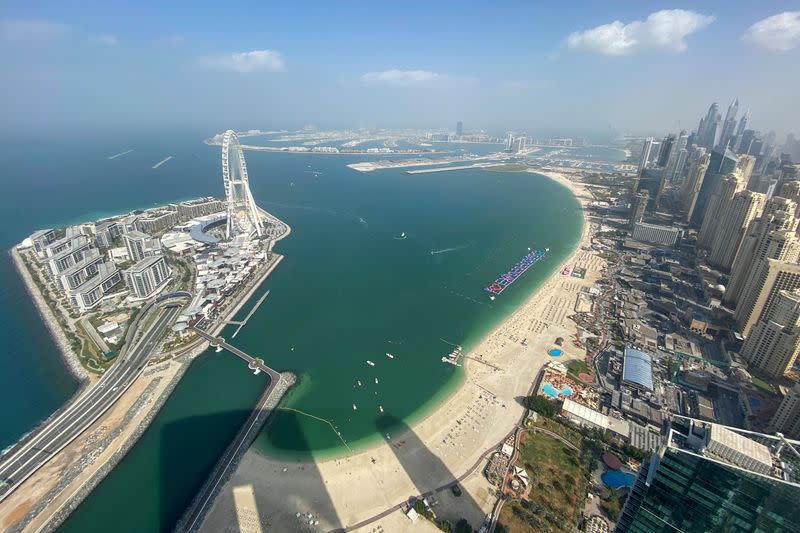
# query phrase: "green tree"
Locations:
[[541, 405], [462, 526]]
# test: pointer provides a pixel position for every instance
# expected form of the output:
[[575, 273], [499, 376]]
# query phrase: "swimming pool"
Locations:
[[555, 352], [554, 392], [617, 478]]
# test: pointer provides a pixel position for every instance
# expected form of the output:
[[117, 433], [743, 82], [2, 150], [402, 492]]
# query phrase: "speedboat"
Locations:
[[355, 408], [381, 408], [390, 356], [370, 363], [359, 382], [376, 381]]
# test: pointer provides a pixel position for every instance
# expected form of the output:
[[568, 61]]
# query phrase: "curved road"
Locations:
[[22, 462]]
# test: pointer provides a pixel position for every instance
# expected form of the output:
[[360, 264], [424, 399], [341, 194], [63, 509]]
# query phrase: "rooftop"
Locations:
[[637, 368]]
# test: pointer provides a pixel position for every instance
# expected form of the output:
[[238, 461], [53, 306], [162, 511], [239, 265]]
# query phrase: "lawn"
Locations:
[[557, 490], [763, 385]]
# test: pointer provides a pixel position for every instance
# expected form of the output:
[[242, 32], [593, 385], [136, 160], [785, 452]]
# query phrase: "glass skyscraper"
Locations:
[[683, 492]]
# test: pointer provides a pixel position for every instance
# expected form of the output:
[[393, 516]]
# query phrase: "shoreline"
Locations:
[[69, 357], [362, 486], [448, 389], [146, 407]]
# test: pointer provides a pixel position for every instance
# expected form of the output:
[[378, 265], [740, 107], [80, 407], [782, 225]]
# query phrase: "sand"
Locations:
[[449, 443]]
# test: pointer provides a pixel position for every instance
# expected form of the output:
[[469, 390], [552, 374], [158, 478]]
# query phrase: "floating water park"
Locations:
[[502, 283]]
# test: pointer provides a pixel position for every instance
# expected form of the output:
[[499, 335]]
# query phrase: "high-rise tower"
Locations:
[[772, 345], [243, 215], [735, 217]]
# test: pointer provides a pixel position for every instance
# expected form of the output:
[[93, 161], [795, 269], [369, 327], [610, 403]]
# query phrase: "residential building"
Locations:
[[141, 245], [655, 234], [772, 235], [147, 275], [721, 163], [459, 128], [694, 181], [717, 205], [647, 146], [638, 207], [42, 239], [87, 295], [769, 278], [734, 219], [787, 417], [772, 345]]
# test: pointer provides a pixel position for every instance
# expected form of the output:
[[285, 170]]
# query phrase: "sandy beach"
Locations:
[[361, 492]]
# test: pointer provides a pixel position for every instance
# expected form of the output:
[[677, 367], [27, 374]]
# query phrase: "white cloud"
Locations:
[[104, 40], [29, 30], [255, 60], [778, 32], [664, 30], [404, 78]]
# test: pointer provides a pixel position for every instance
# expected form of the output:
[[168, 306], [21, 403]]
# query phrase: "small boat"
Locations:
[[219, 349], [370, 363], [388, 437], [381, 408], [376, 381], [491, 298], [359, 382], [355, 408], [390, 356]]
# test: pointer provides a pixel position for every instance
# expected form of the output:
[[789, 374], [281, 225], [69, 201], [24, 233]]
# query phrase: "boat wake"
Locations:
[[452, 249]]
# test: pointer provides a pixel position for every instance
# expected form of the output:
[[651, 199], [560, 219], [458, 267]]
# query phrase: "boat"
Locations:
[[370, 363], [388, 437], [376, 381], [355, 408], [381, 408], [359, 382], [390, 356], [219, 349], [492, 298]]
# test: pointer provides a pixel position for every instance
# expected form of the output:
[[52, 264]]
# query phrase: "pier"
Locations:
[[279, 383], [241, 323], [226, 466], [254, 363]]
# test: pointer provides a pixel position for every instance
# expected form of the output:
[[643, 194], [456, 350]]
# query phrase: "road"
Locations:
[[21, 462]]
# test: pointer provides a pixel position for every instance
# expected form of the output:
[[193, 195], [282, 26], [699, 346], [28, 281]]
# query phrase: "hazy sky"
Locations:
[[559, 66]]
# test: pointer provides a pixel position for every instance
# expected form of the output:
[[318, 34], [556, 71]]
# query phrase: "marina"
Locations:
[[502, 283]]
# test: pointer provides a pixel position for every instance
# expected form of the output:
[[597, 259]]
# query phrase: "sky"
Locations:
[[558, 67]]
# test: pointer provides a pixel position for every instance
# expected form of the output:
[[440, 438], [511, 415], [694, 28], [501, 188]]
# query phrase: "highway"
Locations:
[[22, 461]]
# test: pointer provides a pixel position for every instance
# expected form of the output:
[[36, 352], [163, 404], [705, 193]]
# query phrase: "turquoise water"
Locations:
[[617, 478], [348, 291], [555, 352], [553, 392]]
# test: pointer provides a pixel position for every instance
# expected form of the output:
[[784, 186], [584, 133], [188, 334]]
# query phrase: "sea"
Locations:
[[377, 263]]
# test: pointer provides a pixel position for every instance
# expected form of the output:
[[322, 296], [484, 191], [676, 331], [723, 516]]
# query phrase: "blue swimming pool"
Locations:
[[555, 352], [553, 392], [617, 478]]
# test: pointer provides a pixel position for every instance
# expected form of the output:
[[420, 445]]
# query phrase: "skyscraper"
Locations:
[[666, 149], [708, 478], [745, 167], [708, 131], [771, 348], [646, 147], [510, 143], [717, 205], [729, 125], [771, 236], [694, 182], [459, 128], [769, 277], [638, 206], [735, 217], [722, 162], [787, 417]]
